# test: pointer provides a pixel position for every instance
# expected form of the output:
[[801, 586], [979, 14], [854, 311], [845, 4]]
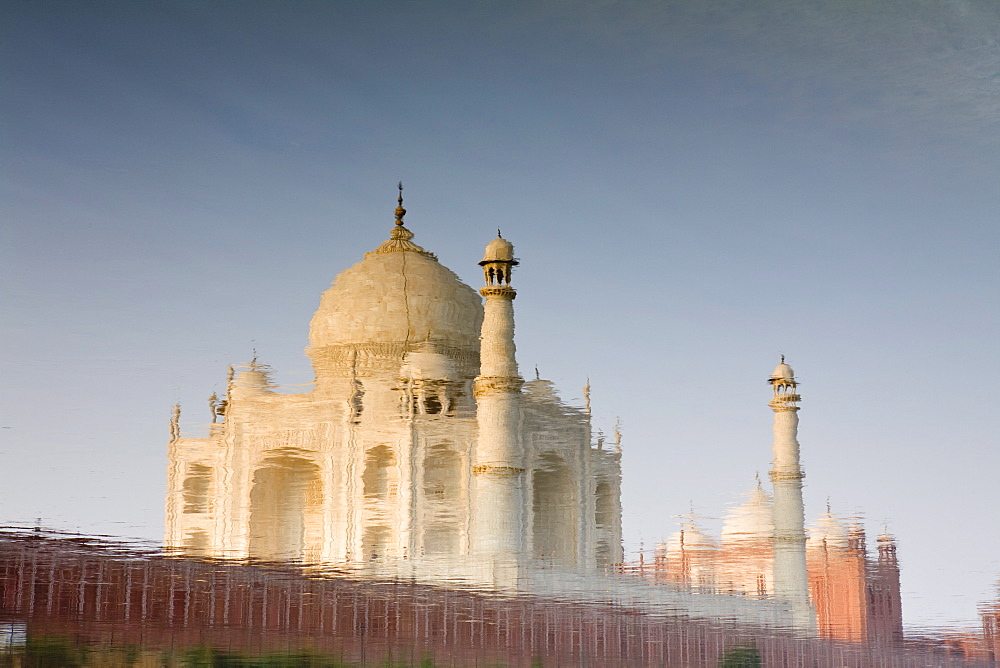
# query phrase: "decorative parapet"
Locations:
[[497, 471], [784, 402], [361, 353]]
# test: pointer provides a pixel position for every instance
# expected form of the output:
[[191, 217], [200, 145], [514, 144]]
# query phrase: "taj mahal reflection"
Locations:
[[422, 499], [418, 441], [420, 450]]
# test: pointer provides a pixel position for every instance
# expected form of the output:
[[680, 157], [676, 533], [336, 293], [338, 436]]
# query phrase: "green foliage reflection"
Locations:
[[59, 651], [741, 657]]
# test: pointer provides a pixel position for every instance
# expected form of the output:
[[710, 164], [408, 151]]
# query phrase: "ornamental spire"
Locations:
[[399, 237], [400, 211]]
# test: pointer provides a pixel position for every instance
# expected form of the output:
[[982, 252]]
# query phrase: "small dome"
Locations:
[[829, 530], [253, 376], [750, 520], [499, 250], [690, 537], [782, 372], [542, 391]]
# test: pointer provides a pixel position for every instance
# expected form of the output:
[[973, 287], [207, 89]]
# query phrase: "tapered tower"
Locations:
[[497, 350], [791, 579], [498, 465], [498, 386]]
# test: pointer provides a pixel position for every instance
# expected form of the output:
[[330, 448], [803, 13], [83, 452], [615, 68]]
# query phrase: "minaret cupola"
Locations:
[[498, 262], [783, 383]]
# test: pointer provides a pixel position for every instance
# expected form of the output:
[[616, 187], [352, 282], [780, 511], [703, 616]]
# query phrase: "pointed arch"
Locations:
[[285, 508], [380, 479], [197, 489]]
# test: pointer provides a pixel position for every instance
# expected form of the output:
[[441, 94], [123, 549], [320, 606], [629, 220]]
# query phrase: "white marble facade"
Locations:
[[404, 449]]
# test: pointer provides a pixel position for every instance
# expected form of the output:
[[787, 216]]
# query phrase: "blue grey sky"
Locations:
[[693, 189]]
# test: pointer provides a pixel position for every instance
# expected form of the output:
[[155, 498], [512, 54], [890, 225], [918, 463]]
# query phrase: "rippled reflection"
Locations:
[[854, 595], [73, 600], [422, 504], [419, 443]]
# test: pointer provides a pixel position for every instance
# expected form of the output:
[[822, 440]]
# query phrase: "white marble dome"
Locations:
[[830, 531], [690, 537], [750, 520], [398, 296]]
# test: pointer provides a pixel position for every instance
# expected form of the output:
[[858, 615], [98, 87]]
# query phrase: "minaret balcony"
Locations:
[[786, 475], [493, 385], [785, 402], [504, 291]]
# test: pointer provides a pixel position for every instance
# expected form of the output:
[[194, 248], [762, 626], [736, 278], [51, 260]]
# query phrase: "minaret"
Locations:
[[497, 348], [500, 522], [791, 579], [885, 614], [498, 386]]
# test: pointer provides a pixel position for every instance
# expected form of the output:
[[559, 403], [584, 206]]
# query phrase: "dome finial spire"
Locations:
[[400, 211], [399, 238]]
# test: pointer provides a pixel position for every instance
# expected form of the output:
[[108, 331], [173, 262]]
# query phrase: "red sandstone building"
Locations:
[[855, 596]]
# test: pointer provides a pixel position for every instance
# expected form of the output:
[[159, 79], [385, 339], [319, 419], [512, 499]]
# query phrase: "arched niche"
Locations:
[[604, 517], [556, 507], [197, 489], [380, 477], [442, 493], [285, 509], [442, 473]]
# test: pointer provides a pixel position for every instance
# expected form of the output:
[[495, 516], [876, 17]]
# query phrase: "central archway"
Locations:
[[285, 502]]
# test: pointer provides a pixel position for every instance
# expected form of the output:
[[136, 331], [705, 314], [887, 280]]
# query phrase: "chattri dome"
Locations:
[[499, 250], [782, 372]]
